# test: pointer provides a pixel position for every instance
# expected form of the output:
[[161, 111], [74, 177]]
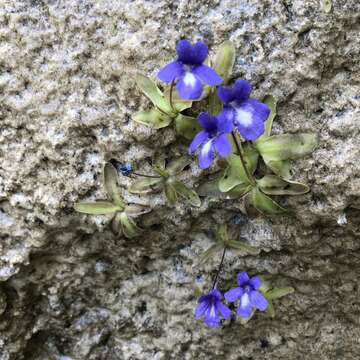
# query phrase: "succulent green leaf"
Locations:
[[170, 193], [326, 5], [264, 203], [153, 118], [188, 194], [209, 253], [97, 208], [178, 103], [287, 146], [150, 89], [136, 209], [271, 101], [209, 188], [235, 173], [187, 126], [116, 224], [128, 226], [215, 104], [159, 161], [270, 310], [238, 191], [110, 176], [265, 286], [178, 165], [160, 170], [241, 245], [277, 293], [273, 185], [146, 185], [222, 234], [281, 168], [224, 60]]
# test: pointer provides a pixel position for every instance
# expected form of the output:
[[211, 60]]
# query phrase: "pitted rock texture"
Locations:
[[70, 289]]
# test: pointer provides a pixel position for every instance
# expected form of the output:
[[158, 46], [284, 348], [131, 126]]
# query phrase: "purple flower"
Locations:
[[213, 138], [248, 115], [189, 71], [212, 309], [125, 169], [249, 297]]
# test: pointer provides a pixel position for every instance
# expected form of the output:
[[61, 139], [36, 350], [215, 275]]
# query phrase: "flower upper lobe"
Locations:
[[189, 71], [247, 294], [248, 115], [212, 139], [212, 309]]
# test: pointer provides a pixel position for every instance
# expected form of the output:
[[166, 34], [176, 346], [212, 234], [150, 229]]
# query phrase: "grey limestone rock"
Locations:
[[70, 289]]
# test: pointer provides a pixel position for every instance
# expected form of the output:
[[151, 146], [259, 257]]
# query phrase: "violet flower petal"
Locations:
[[197, 141], [207, 75], [171, 71], [206, 155], [245, 306], [242, 278], [258, 300], [222, 145], [233, 294], [189, 86], [255, 282]]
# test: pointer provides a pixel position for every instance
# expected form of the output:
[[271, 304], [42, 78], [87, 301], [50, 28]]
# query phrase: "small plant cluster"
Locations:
[[235, 130], [249, 295]]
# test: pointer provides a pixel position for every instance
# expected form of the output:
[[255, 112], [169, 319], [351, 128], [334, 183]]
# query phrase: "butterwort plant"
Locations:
[[188, 71], [250, 294], [230, 132]]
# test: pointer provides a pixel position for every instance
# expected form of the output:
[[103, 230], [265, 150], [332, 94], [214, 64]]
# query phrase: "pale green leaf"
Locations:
[[271, 101], [241, 245], [209, 253], [136, 209], [150, 89], [178, 103], [222, 234], [187, 126], [209, 188], [265, 204], [238, 191], [146, 185], [153, 118], [277, 293], [270, 310], [287, 146], [265, 286], [234, 174], [129, 227], [281, 168], [97, 208], [273, 185], [110, 176], [188, 194], [224, 60], [326, 5], [171, 194], [178, 165], [215, 104]]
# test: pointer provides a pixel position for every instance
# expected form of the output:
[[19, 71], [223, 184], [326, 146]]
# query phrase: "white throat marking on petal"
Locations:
[[244, 300], [243, 117], [189, 79], [212, 311]]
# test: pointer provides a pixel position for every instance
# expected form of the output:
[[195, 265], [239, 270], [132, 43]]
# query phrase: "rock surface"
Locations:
[[70, 289]]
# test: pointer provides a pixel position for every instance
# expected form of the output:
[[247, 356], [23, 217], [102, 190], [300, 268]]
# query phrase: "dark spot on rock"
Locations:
[[264, 343], [141, 308]]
